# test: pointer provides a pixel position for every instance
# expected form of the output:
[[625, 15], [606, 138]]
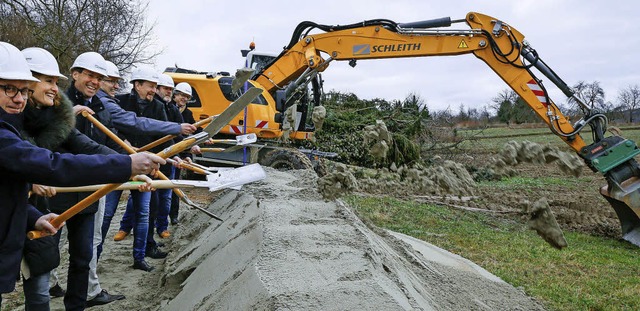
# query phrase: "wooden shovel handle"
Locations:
[[56, 222], [169, 137], [108, 132]]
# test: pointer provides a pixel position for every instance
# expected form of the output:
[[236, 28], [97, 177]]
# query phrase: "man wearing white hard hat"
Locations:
[[165, 88], [139, 211], [17, 170], [87, 72], [128, 122], [163, 198]]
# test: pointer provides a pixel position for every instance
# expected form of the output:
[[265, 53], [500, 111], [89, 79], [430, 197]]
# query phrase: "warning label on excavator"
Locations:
[[463, 45]]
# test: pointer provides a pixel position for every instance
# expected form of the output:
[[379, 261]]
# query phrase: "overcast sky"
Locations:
[[584, 40]]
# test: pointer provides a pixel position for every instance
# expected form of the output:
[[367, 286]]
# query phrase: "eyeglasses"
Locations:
[[12, 91], [92, 76], [187, 96]]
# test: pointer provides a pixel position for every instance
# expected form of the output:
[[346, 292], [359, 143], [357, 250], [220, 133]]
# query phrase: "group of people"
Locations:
[[45, 141]]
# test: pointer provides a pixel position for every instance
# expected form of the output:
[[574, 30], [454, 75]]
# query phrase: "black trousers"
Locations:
[[175, 200]]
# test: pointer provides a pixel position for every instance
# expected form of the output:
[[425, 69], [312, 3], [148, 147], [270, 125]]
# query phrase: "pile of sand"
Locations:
[[283, 247]]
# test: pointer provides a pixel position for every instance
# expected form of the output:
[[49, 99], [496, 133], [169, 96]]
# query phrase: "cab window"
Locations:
[[195, 99], [225, 87]]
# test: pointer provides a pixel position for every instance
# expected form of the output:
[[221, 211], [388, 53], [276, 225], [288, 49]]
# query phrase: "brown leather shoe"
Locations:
[[120, 235], [165, 234]]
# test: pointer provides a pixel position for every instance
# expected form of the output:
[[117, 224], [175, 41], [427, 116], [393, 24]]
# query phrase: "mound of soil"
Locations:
[[282, 246]]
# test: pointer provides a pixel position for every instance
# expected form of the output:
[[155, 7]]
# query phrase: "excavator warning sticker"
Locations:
[[463, 45], [261, 124], [538, 91], [362, 49], [235, 129]]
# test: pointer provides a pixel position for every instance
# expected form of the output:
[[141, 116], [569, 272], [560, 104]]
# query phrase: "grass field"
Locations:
[[594, 273]]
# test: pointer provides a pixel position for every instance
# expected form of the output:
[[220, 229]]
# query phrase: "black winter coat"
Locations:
[[153, 109], [86, 127]]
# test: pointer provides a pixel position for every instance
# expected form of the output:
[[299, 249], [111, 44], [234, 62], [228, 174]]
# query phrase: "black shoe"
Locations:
[[103, 298], [155, 253], [159, 244], [174, 221], [142, 265], [56, 291]]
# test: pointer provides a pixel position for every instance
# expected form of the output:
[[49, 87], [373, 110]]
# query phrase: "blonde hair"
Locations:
[[30, 101]]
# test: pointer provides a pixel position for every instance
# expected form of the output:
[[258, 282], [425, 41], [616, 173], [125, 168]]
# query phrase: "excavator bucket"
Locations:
[[625, 200]]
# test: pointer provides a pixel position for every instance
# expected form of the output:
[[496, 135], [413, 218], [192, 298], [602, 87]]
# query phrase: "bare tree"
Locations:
[[592, 94], [504, 104], [117, 29], [629, 99]]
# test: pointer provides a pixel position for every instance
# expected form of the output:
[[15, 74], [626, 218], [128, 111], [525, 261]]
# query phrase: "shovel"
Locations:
[[232, 178], [241, 140], [169, 137]]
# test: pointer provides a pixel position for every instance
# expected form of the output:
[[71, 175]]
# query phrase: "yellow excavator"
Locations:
[[285, 79]]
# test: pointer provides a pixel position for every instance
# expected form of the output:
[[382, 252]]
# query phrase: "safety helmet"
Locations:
[[166, 80], [42, 62], [13, 66], [91, 61], [145, 74], [183, 87], [112, 70]]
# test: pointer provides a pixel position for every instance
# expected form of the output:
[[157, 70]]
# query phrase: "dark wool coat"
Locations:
[[53, 128], [153, 109], [22, 163]]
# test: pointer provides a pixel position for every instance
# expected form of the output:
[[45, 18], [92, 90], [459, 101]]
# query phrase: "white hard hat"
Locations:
[[146, 74], [13, 66], [42, 62], [166, 80], [91, 61], [184, 87], [112, 70]]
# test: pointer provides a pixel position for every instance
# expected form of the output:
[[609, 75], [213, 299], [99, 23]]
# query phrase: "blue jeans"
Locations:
[[163, 206], [126, 223], [111, 204], [80, 238], [36, 292], [139, 221]]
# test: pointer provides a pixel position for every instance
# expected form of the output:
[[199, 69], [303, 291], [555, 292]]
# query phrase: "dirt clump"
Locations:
[[318, 116], [514, 153], [378, 138], [542, 221], [335, 184]]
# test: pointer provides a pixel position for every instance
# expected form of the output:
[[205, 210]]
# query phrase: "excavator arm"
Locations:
[[503, 49]]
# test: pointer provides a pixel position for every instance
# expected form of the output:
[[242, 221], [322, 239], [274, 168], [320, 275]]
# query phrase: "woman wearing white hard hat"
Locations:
[[49, 122]]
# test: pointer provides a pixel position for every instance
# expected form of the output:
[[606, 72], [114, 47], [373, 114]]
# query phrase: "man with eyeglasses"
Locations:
[[22, 163]]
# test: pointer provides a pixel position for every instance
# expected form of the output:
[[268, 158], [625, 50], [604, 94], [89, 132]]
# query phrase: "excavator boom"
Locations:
[[497, 44]]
